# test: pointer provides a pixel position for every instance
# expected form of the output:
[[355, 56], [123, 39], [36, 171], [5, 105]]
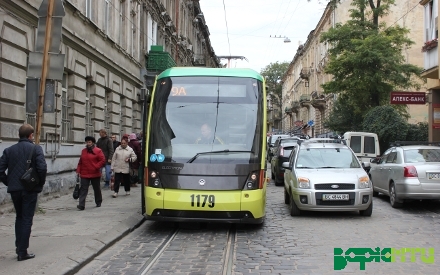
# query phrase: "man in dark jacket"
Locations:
[[136, 146], [106, 145], [115, 143], [14, 160]]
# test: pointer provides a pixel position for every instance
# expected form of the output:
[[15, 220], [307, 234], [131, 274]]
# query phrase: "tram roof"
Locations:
[[198, 71]]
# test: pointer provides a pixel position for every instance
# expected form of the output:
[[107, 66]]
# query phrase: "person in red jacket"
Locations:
[[90, 162]]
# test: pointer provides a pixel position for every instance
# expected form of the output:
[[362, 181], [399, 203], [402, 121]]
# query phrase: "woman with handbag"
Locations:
[[122, 156], [90, 162]]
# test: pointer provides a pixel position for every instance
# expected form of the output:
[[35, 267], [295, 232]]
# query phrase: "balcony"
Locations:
[[319, 103], [159, 60], [199, 60], [296, 106], [305, 73], [288, 110], [305, 100], [431, 63]]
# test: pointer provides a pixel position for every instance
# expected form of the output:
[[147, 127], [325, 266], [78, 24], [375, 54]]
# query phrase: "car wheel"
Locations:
[[277, 181], [393, 197], [294, 210], [375, 193], [286, 196], [367, 212]]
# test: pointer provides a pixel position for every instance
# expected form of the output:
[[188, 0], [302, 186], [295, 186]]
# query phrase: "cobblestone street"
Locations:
[[283, 245]]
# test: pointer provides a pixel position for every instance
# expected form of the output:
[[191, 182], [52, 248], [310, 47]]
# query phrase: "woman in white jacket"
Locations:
[[120, 166]]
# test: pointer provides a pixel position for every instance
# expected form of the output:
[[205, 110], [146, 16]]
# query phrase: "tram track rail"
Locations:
[[158, 252], [228, 254], [229, 251]]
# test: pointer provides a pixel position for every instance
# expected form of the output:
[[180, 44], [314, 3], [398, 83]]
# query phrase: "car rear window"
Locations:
[[421, 155], [327, 158], [287, 151], [275, 137]]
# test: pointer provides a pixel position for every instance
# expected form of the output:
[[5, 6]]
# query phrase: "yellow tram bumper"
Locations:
[[233, 206]]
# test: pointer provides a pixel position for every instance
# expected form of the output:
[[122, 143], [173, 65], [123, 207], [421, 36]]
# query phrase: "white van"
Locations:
[[364, 145]]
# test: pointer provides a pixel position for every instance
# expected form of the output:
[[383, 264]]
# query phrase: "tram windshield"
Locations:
[[207, 119]]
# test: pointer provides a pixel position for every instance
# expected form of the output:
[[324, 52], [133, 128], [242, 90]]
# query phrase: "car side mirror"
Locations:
[[286, 165], [365, 164], [375, 160]]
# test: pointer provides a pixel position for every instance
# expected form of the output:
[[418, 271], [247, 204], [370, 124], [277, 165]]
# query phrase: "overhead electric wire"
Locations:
[[418, 4], [227, 31]]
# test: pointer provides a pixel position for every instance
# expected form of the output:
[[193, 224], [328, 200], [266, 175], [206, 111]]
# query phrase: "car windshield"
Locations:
[[421, 155], [326, 158]]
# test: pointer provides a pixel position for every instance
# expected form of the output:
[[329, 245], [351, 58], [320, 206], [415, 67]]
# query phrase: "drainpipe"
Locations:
[[177, 29]]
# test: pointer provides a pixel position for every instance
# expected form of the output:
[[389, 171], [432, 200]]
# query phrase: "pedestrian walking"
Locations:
[[14, 160], [116, 143], [89, 168], [120, 166], [106, 145], [136, 146]]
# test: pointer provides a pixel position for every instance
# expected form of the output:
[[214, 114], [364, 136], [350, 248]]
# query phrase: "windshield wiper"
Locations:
[[327, 167], [305, 167], [216, 152]]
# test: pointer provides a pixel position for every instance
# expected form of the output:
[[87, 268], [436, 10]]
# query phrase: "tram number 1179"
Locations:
[[201, 200]]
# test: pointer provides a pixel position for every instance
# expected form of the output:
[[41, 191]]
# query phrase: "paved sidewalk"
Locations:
[[64, 238]]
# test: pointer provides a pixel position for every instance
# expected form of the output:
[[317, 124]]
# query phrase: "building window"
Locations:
[[107, 112], [431, 17], [151, 32], [65, 121], [89, 9], [121, 128], [89, 113], [107, 17], [133, 35], [122, 20], [31, 119]]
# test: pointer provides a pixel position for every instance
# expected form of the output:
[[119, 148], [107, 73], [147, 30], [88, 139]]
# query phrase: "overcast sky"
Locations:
[[244, 27]]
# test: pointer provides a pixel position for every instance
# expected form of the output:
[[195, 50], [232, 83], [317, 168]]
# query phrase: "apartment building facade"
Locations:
[[304, 104], [430, 51], [107, 48]]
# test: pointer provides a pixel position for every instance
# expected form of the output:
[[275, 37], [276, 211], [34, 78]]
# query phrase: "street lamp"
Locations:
[[286, 39]]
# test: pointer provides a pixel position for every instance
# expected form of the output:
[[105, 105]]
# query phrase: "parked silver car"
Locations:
[[322, 175], [407, 172]]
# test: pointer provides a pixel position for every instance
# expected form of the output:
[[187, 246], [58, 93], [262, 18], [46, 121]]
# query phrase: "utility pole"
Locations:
[[45, 64], [44, 70]]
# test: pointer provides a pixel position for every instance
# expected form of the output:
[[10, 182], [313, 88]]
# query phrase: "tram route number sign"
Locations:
[[408, 98]]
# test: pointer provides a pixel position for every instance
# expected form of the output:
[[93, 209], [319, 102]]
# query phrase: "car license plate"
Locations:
[[335, 197], [433, 176]]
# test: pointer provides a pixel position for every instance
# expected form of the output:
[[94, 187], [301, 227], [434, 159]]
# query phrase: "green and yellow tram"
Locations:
[[205, 146]]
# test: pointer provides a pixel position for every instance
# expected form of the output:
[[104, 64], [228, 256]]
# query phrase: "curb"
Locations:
[[90, 258]]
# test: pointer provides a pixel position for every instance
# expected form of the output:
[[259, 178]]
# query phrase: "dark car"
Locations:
[[281, 153], [271, 144]]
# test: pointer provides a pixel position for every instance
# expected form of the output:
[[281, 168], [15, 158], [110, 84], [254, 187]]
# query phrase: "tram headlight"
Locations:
[[252, 181], [154, 180]]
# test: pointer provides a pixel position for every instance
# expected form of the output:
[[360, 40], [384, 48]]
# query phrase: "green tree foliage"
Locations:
[[366, 60], [417, 132], [342, 117], [390, 126], [273, 74]]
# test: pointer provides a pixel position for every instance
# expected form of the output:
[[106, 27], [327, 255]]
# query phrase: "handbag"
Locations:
[[133, 177], [30, 178], [76, 190]]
